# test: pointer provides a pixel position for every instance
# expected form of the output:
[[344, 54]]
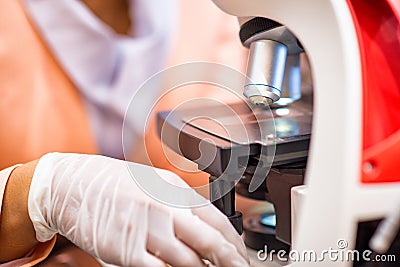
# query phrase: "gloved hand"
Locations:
[[94, 202]]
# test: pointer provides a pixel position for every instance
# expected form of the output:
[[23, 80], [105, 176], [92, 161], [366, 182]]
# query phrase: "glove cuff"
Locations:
[[39, 200]]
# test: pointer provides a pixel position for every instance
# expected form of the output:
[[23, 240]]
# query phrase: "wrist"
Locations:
[[17, 235]]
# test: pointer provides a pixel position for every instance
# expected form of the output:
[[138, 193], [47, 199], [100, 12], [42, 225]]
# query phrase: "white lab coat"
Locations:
[[106, 67]]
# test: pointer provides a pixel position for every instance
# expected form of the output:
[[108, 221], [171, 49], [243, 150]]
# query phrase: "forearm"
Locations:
[[93, 201], [17, 235]]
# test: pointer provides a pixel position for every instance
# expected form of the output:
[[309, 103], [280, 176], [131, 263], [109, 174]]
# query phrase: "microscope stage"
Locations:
[[212, 135]]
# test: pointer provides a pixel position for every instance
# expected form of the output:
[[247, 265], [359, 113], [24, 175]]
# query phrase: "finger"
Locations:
[[148, 260], [207, 241], [163, 243], [174, 252], [133, 244], [211, 215]]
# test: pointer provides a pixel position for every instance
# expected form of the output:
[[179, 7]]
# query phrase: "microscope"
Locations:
[[328, 158]]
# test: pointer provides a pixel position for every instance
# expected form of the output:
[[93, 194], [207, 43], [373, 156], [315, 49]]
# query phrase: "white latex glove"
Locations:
[[94, 202]]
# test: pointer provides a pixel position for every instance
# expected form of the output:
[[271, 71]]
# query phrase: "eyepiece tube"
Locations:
[[265, 72]]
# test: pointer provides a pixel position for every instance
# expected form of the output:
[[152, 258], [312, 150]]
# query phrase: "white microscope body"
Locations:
[[336, 199]]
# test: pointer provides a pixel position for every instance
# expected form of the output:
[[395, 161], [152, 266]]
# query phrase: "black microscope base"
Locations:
[[260, 237]]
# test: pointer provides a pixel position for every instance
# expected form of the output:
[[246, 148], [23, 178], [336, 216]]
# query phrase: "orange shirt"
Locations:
[[41, 110]]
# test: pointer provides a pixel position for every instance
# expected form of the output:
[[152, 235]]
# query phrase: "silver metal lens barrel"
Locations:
[[291, 86], [265, 71]]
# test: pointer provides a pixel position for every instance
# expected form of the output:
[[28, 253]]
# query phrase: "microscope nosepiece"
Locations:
[[265, 72]]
